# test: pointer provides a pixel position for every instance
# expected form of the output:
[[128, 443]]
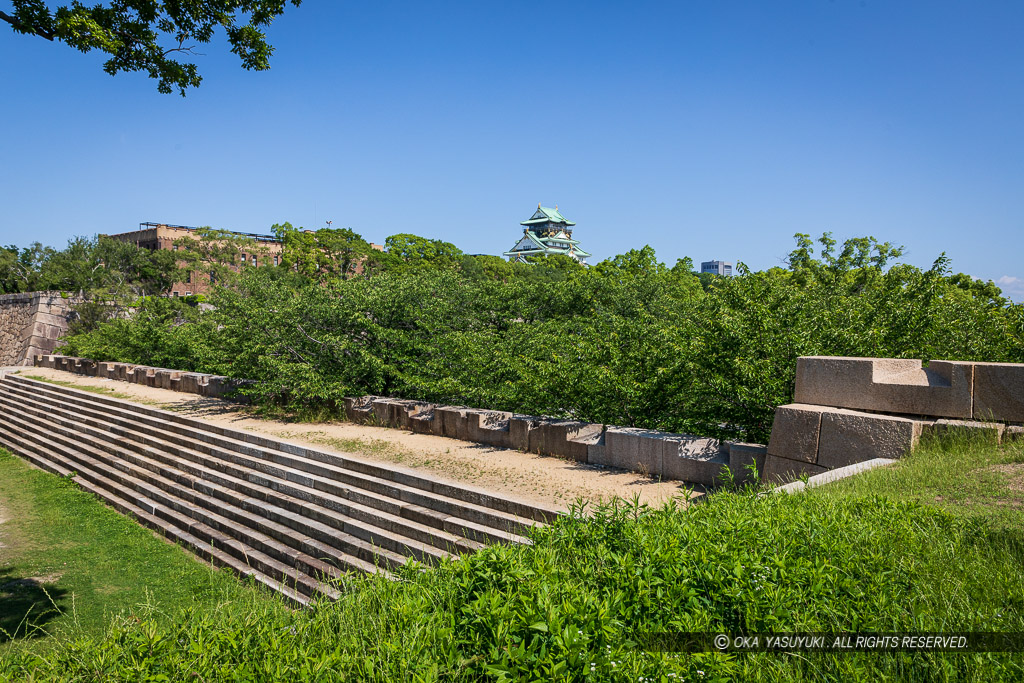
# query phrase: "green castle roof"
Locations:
[[546, 215]]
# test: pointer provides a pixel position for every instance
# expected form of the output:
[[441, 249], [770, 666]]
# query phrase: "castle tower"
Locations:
[[546, 232]]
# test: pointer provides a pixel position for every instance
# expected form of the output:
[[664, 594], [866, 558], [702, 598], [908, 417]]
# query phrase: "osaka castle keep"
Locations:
[[546, 232]]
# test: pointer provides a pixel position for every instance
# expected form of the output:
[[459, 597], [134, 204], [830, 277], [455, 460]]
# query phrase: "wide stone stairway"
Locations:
[[293, 518]]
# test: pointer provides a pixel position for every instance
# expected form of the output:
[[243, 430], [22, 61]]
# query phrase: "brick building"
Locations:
[[163, 236]]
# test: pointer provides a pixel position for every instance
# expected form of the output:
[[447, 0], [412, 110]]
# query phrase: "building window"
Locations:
[[243, 258], [174, 247], [188, 293], [188, 277], [275, 260], [175, 294], [254, 259]]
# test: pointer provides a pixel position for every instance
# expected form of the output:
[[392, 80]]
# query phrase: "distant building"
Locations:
[[716, 267], [163, 236], [546, 232]]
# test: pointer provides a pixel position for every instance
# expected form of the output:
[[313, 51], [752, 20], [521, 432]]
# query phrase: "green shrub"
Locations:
[[575, 605]]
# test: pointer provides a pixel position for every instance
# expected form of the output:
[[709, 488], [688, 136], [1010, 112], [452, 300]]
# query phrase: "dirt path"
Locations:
[[546, 480]]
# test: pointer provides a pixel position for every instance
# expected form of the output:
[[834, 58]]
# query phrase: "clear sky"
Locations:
[[705, 129]]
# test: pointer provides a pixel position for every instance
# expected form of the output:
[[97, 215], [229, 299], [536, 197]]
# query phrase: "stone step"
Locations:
[[209, 432], [46, 460], [310, 543], [294, 567], [404, 496], [295, 519], [346, 515], [166, 465], [269, 475]]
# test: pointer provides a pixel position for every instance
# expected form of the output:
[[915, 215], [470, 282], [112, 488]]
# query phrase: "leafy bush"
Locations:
[[629, 341]]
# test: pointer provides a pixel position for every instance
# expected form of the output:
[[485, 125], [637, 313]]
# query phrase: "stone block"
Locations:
[[520, 429], [358, 409], [999, 392], [400, 413], [424, 422], [597, 452], [1013, 433], [639, 450], [453, 421], [742, 456], [891, 385], [189, 381], [987, 432], [849, 437], [564, 438], [795, 432], [381, 409], [87, 367], [694, 459], [218, 386], [165, 377], [778, 470], [489, 427]]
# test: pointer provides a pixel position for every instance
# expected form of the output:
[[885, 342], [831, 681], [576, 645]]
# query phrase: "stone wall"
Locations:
[[30, 324], [852, 410], [695, 459], [213, 386]]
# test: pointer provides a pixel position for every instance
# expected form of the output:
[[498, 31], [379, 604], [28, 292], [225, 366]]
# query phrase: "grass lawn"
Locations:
[[935, 543], [71, 567]]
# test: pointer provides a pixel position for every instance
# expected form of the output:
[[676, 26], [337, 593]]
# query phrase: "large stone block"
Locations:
[[744, 455], [489, 427], [999, 391], [778, 470], [694, 459], [453, 421], [943, 389], [400, 413], [381, 408], [849, 437], [359, 409], [795, 432], [189, 381], [520, 428], [564, 438], [597, 451], [639, 450], [164, 378], [424, 422]]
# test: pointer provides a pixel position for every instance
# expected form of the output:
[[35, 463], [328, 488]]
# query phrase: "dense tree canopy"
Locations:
[[149, 36], [629, 341]]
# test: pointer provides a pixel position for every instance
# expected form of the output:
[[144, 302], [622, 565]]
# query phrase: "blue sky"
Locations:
[[705, 129]]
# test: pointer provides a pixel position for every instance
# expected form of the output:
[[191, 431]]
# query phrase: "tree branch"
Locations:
[[26, 28]]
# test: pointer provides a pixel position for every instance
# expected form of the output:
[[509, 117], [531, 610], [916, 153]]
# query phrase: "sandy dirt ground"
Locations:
[[541, 479]]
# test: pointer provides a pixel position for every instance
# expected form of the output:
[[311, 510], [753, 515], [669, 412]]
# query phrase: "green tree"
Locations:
[[321, 254], [148, 36]]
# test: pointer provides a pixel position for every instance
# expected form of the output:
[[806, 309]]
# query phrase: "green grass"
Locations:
[[70, 566], [959, 474], [928, 545]]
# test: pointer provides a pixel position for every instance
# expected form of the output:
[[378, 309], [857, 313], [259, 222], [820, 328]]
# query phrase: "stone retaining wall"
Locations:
[[694, 459], [214, 386], [849, 411], [30, 324], [852, 410]]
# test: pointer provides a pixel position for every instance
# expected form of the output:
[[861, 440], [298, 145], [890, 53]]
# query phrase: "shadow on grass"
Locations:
[[27, 605]]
